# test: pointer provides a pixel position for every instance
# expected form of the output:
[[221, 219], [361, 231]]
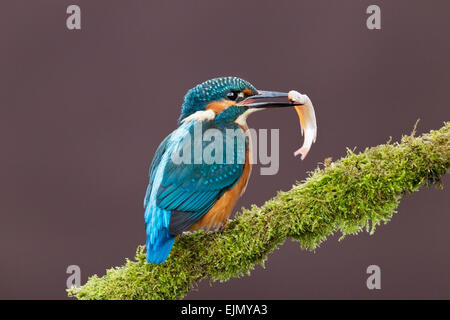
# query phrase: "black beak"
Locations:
[[268, 99]]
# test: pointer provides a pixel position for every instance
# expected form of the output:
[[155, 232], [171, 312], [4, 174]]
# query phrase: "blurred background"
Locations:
[[83, 111]]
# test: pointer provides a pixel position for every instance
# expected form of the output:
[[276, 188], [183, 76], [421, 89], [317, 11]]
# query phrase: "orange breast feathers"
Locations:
[[219, 106], [222, 209]]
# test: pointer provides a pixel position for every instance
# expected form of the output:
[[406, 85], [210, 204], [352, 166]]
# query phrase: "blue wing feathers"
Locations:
[[155, 162], [178, 195]]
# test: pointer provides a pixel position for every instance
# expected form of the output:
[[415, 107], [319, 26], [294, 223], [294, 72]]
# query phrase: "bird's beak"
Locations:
[[303, 106], [267, 99]]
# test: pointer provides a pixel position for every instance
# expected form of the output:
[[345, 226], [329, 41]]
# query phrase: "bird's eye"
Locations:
[[232, 95]]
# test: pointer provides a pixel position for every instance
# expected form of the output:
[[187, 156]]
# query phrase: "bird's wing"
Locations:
[[155, 162], [189, 190]]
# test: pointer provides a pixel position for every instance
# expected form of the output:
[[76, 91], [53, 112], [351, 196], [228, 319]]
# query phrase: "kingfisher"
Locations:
[[187, 192]]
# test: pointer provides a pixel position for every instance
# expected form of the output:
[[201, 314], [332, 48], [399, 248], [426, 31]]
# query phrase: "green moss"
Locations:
[[357, 192]]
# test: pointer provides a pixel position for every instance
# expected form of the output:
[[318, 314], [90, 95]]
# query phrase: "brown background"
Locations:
[[82, 113]]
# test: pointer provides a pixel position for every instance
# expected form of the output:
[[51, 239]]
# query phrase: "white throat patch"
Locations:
[[242, 119], [201, 115]]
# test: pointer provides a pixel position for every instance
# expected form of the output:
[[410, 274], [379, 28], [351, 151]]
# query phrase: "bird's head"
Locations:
[[228, 99]]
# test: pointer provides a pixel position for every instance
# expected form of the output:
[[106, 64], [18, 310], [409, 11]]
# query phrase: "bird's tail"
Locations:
[[159, 240], [158, 251]]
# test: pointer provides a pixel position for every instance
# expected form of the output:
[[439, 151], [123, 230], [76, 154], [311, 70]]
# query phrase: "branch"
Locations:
[[356, 192]]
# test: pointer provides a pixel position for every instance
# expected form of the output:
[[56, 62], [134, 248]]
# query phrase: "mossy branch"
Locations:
[[356, 192]]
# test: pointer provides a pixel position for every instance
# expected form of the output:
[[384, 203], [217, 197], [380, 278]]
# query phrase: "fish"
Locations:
[[307, 118]]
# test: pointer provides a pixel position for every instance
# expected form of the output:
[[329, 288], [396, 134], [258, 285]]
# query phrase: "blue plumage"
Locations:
[[179, 194], [159, 240]]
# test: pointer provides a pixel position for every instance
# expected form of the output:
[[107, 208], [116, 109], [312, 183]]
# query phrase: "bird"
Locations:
[[194, 193]]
